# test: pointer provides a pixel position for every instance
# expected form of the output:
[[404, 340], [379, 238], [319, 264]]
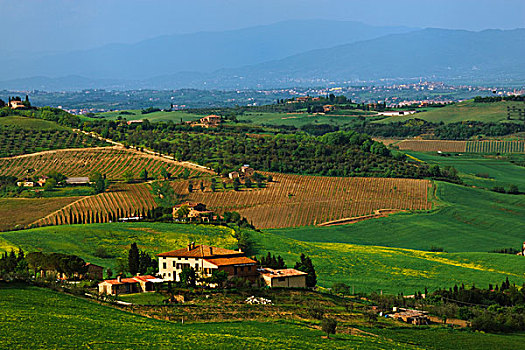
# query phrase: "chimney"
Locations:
[[119, 278], [192, 245], [138, 274], [211, 250], [189, 247]]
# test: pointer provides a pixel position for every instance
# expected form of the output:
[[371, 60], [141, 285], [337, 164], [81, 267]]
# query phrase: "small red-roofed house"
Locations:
[[137, 284]]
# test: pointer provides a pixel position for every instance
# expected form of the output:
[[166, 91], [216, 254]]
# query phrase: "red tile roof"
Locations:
[[135, 279], [282, 273], [240, 260], [201, 251]]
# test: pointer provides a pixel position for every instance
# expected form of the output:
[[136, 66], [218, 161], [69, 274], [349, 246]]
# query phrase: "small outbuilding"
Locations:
[[283, 278], [77, 181]]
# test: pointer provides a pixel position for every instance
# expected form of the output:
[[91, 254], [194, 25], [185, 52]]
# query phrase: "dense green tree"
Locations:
[[305, 264]]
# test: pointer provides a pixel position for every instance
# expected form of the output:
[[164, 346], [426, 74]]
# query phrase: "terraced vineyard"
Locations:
[[496, 146], [111, 161], [463, 146], [16, 141], [432, 146], [293, 200], [121, 201]]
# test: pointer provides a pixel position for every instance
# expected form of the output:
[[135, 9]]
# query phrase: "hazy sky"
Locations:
[[36, 25]]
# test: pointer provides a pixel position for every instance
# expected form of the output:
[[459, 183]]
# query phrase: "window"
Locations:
[[196, 266], [281, 279], [164, 266], [169, 274], [173, 263], [185, 258]]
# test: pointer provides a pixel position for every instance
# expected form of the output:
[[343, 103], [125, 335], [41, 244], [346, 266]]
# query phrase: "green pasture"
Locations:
[[299, 119], [501, 172], [115, 238], [29, 123], [467, 220], [135, 114], [32, 318], [463, 111], [392, 270]]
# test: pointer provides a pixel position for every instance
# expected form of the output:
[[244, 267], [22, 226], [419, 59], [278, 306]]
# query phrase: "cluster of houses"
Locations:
[[206, 260], [71, 181], [243, 172], [196, 211]]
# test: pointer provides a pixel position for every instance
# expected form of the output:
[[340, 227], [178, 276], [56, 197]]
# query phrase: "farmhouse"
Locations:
[[42, 181], [196, 211], [210, 121], [137, 284], [245, 170], [205, 260], [16, 104], [25, 183], [522, 253], [285, 278], [234, 175], [416, 317]]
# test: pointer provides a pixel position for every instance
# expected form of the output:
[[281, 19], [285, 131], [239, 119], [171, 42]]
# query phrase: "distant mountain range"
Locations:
[[297, 53]]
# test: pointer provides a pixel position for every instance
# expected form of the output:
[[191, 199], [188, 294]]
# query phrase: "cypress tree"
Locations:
[[133, 259]]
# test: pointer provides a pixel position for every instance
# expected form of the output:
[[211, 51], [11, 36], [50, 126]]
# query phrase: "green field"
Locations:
[[175, 116], [29, 123], [501, 172], [33, 318], [463, 111], [299, 119], [115, 239]]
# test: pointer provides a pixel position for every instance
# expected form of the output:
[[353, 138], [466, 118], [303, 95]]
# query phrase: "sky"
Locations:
[[63, 25]]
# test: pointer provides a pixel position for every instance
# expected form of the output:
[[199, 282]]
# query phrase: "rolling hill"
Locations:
[[197, 52], [455, 56]]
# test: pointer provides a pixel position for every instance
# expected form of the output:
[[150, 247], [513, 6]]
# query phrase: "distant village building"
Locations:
[[206, 259], [138, 121], [396, 113], [76, 181], [137, 284], [25, 183], [328, 108], [284, 278]]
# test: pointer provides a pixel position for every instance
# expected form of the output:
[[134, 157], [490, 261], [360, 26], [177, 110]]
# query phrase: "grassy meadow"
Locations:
[[300, 119], [501, 172], [32, 318], [161, 116], [115, 238], [30, 123], [463, 111]]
